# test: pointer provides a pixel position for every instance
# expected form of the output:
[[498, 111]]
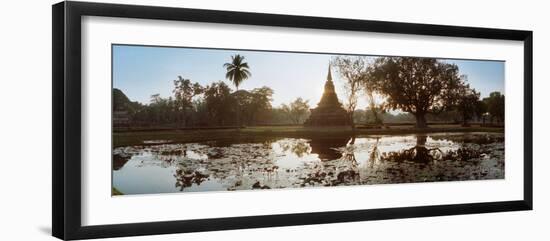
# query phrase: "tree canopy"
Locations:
[[218, 100], [495, 105], [184, 91], [416, 85], [237, 70], [467, 103], [254, 105], [297, 110], [354, 70]]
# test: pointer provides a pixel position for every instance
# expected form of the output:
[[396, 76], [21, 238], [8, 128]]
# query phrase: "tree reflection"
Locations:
[[300, 147], [119, 161], [186, 177], [417, 154], [374, 155], [325, 148], [293, 162], [345, 170], [348, 166], [338, 164]]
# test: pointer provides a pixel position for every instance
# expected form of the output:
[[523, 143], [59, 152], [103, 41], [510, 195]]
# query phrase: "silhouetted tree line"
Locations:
[[421, 87], [211, 105]]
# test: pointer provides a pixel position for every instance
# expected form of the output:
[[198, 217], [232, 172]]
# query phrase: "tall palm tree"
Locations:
[[237, 72]]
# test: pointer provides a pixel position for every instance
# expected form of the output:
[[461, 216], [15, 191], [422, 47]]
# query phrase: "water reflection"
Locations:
[[300, 147], [325, 148], [119, 161], [418, 154], [186, 178], [295, 162]]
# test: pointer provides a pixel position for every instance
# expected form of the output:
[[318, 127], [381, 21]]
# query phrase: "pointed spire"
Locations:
[[329, 76]]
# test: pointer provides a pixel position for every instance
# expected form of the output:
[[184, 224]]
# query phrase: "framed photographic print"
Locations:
[[170, 120]]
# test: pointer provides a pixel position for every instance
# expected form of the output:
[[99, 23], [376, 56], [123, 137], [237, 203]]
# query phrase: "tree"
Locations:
[[495, 106], [160, 110], [415, 85], [155, 108], [467, 103], [354, 71], [219, 101], [201, 116], [376, 104], [253, 104], [297, 111], [237, 72], [481, 109], [244, 100], [184, 91], [261, 103]]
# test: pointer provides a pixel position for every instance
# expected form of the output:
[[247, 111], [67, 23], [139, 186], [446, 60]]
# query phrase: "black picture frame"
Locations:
[[66, 185]]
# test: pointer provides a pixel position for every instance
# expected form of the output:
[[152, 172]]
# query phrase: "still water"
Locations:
[[296, 163]]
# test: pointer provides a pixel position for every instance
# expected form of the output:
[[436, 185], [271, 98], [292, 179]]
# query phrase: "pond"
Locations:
[[158, 167]]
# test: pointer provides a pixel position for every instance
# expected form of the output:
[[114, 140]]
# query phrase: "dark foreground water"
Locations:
[[296, 163]]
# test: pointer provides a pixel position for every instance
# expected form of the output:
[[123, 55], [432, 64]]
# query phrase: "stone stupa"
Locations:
[[329, 111]]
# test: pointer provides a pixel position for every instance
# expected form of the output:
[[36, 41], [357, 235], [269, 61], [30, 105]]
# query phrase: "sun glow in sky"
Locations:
[[141, 71]]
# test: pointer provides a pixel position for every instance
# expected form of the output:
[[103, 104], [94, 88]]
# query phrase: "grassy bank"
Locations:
[[137, 138]]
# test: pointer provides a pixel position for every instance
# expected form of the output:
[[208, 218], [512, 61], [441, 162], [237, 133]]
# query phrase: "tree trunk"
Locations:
[[421, 120], [376, 119], [184, 117], [238, 110], [465, 120], [352, 123]]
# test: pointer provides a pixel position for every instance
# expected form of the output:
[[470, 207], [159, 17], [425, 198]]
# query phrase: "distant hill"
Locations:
[[121, 102]]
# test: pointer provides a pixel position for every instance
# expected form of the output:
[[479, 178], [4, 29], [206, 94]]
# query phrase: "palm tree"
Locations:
[[237, 72]]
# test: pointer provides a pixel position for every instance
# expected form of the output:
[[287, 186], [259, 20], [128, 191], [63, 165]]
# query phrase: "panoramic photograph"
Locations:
[[202, 119]]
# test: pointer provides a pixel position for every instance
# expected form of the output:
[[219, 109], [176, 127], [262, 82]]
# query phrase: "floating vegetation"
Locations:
[[296, 163]]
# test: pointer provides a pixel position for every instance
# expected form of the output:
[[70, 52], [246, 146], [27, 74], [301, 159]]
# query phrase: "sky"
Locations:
[[141, 71]]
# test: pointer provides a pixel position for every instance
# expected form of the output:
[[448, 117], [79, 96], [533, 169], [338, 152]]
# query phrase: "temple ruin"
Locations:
[[329, 111]]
